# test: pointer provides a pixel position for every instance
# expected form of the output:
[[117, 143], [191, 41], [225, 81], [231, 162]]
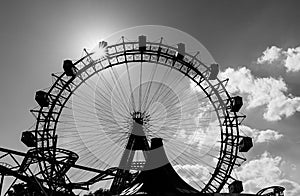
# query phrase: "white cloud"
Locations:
[[268, 135], [282, 106], [270, 55], [268, 92], [263, 172], [261, 136], [292, 61], [290, 58]]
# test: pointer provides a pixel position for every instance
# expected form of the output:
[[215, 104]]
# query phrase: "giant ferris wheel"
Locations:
[[95, 124]]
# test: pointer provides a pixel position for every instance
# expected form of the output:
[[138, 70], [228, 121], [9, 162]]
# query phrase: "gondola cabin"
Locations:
[[180, 51], [236, 187], [69, 68], [236, 103], [245, 144], [42, 98], [214, 71], [142, 42], [28, 139]]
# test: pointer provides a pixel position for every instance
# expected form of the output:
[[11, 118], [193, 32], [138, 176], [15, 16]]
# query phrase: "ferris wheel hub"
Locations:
[[140, 117]]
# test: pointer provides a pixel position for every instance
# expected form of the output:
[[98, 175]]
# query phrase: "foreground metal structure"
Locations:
[[46, 167]]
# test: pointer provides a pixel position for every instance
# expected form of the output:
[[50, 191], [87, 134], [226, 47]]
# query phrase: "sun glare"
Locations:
[[100, 51]]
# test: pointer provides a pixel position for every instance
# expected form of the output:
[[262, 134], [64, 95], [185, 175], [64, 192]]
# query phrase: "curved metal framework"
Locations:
[[55, 162], [275, 191]]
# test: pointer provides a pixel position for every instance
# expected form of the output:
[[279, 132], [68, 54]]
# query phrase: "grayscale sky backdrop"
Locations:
[[254, 41]]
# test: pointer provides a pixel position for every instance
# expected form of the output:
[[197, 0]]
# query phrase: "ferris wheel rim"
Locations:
[[66, 88]]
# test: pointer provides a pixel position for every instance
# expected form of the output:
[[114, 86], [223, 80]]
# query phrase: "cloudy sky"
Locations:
[[255, 42]]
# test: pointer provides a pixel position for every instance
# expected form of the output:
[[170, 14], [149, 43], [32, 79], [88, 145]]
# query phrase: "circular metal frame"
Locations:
[[129, 52]]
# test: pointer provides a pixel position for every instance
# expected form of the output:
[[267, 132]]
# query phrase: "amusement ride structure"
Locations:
[[135, 115]]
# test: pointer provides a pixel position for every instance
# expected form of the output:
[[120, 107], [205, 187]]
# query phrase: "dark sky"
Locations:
[[36, 36]]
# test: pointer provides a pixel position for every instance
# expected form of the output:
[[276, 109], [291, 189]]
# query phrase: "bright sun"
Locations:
[[101, 51]]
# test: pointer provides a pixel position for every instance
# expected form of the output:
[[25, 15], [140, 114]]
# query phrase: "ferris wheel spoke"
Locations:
[[107, 96], [88, 109], [88, 97], [83, 109], [190, 158], [140, 87], [87, 113], [83, 102], [108, 111], [84, 147], [185, 144], [83, 116], [158, 133], [121, 90], [190, 153], [81, 126], [158, 89], [167, 98], [130, 87], [190, 173], [95, 155], [107, 151], [148, 87], [107, 123], [169, 115], [107, 158]]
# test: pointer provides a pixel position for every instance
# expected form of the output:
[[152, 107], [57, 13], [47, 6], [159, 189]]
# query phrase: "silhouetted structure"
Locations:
[[154, 176], [161, 180]]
